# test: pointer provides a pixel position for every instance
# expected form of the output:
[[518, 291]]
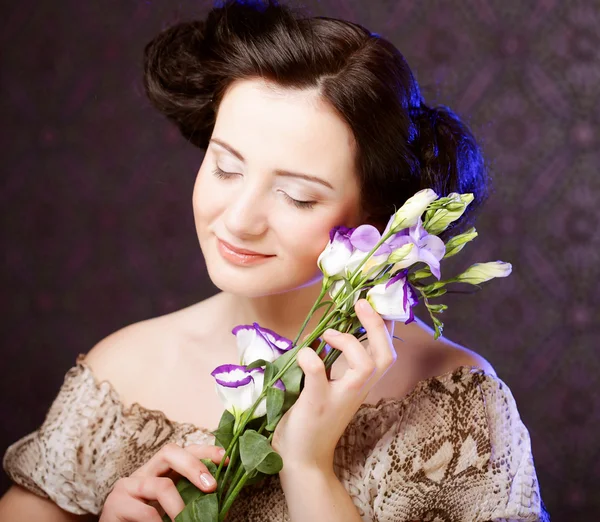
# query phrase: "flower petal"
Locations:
[[365, 237], [235, 388], [393, 300], [332, 260]]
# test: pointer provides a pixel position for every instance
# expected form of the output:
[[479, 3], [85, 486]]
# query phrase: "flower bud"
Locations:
[[400, 253], [457, 243], [448, 213], [411, 211], [482, 272]]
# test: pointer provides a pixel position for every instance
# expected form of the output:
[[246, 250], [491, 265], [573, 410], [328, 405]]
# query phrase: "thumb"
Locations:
[[390, 327]]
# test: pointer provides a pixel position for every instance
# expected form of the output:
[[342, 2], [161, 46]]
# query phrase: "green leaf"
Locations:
[[257, 454], [256, 364], [437, 293], [202, 509], [190, 493], [457, 243], [275, 400], [270, 372], [420, 274], [256, 478], [291, 378], [224, 433], [439, 327], [187, 490], [437, 308], [433, 286]]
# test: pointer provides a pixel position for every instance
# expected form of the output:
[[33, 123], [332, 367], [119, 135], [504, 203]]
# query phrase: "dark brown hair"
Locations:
[[403, 145]]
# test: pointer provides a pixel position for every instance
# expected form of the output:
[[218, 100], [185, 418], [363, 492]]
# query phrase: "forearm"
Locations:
[[316, 494]]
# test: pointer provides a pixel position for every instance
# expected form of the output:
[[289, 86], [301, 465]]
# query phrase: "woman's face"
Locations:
[[261, 132]]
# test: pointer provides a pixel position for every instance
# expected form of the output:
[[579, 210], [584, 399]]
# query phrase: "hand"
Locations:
[[306, 436], [155, 481]]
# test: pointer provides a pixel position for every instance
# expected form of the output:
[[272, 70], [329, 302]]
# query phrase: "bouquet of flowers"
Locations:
[[389, 270]]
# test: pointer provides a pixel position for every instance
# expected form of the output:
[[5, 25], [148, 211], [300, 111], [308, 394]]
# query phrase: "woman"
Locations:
[[307, 123]]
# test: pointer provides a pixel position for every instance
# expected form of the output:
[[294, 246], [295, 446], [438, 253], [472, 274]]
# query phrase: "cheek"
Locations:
[[305, 238], [205, 197]]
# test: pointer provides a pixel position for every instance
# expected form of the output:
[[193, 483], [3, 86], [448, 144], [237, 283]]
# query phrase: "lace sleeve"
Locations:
[[456, 450], [88, 441]]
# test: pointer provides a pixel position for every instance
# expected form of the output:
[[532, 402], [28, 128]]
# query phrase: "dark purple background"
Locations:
[[98, 227]]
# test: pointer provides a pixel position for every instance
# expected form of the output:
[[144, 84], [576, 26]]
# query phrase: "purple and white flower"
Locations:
[[332, 261], [394, 300], [363, 239], [348, 247], [430, 249], [255, 342], [239, 388]]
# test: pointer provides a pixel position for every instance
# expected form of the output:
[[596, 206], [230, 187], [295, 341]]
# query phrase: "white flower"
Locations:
[[255, 342], [394, 300], [239, 388], [332, 261]]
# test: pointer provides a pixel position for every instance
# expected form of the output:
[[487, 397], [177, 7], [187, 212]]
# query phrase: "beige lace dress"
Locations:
[[454, 449]]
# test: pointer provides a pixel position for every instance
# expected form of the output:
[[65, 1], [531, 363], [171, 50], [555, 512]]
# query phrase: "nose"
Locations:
[[246, 214]]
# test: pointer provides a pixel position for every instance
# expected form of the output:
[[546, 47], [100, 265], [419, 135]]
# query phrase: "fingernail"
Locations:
[[332, 332], [364, 305], [207, 480], [221, 452]]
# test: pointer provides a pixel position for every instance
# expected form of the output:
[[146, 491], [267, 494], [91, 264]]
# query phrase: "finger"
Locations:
[[121, 505], [204, 451], [316, 385], [361, 366], [378, 332], [185, 461], [323, 353], [161, 489]]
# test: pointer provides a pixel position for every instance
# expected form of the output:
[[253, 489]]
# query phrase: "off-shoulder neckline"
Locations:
[[382, 403]]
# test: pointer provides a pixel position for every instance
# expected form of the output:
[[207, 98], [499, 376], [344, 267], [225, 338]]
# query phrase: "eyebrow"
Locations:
[[279, 172]]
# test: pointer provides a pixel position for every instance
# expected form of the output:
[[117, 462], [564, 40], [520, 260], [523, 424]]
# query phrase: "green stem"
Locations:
[[324, 288], [222, 483], [233, 490], [234, 494]]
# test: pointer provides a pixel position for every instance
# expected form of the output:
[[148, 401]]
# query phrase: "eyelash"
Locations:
[[299, 204]]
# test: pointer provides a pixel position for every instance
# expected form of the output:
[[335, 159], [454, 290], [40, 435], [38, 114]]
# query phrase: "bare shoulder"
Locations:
[[458, 355], [128, 357], [447, 355], [430, 357]]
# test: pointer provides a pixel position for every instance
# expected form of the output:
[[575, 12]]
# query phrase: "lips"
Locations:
[[241, 250]]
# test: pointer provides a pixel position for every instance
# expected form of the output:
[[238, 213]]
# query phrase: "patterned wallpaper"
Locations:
[[96, 199]]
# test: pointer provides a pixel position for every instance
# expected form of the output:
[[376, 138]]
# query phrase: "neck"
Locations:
[[283, 313]]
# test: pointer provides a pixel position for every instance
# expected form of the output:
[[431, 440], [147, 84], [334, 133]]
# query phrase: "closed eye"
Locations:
[[221, 174]]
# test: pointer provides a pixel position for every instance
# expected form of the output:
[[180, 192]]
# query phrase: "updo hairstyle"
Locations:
[[403, 145]]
